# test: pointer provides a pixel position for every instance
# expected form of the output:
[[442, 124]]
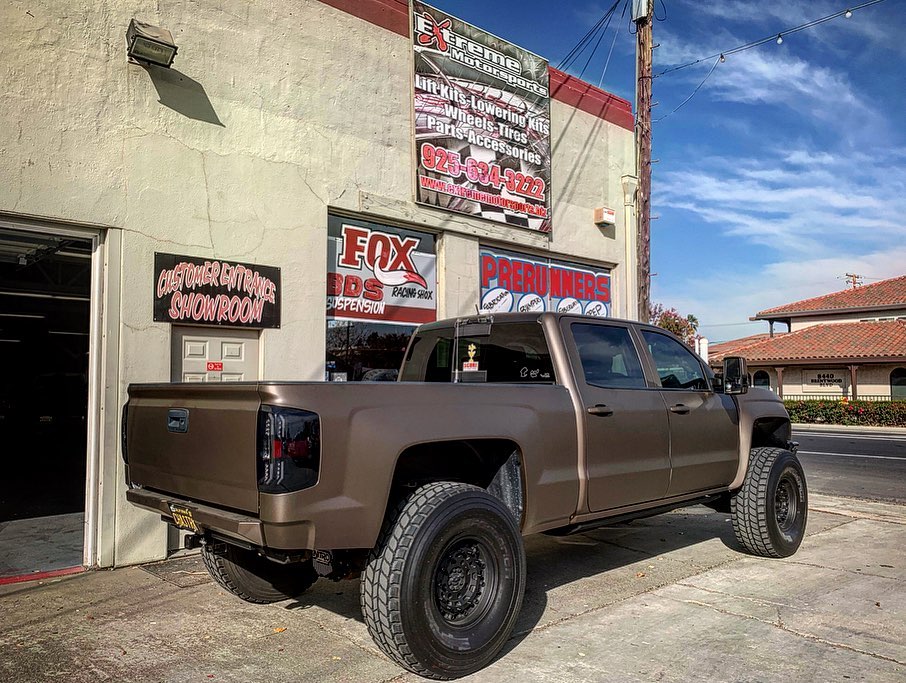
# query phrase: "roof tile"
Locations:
[[831, 341], [885, 293]]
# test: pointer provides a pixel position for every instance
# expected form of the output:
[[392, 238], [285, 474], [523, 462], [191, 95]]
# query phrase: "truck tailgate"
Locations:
[[195, 441]]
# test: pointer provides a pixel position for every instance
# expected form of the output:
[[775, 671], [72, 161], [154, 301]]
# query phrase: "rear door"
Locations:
[[704, 425], [627, 447], [195, 441]]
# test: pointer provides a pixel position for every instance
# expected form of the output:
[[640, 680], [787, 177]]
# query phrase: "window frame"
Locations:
[[579, 372]]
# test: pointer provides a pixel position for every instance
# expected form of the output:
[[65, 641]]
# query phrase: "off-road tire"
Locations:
[[247, 575], [444, 584], [771, 509]]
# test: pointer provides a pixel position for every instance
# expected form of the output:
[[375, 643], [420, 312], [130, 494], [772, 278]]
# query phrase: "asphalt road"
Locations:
[[856, 464]]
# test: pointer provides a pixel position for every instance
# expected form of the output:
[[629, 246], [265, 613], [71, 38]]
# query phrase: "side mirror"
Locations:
[[736, 376]]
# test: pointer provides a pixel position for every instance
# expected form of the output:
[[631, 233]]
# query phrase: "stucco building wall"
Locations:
[[273, 114]]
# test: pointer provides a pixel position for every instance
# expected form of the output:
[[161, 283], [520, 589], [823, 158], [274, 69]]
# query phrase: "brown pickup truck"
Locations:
[[498, 427]]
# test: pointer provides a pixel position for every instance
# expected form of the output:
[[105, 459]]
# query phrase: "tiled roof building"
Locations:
[[850, 343]]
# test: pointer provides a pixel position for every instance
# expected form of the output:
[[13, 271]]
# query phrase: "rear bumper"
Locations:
[[231, 525]]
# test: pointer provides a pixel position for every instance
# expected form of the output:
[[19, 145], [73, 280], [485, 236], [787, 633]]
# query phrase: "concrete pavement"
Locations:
[[668, 598]]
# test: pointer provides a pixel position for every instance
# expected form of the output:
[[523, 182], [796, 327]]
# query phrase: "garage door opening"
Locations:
[[45, 297]]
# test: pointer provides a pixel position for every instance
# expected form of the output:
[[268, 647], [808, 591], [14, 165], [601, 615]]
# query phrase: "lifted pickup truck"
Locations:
[[498, 427]]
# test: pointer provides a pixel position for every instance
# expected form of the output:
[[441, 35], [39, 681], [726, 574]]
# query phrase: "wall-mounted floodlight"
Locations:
[[149, 44]]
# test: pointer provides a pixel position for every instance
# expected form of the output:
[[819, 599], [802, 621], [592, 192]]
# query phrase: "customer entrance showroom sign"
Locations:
[[515, 282], [824, 381], [482, 123], [377, 273], [201, 291]]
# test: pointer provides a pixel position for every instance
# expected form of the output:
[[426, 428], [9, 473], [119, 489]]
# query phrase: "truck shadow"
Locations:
[[573, 574]]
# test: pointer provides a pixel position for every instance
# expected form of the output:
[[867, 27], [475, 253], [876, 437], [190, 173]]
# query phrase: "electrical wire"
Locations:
[[585, 41], [616, 32], [654, 12], [692, 94], [767, 39]]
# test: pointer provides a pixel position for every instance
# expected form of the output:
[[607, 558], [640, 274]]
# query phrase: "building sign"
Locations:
[[482, 123], [824, 381], [515, 282], [376, 273], [199, 291]]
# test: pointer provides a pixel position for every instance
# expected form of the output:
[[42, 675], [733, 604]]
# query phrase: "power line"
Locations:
[[692, 94], [585, 41], [616, 32], [774, 36]]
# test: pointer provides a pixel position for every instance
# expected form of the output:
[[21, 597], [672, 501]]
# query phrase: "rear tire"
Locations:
[[771, 509], [247, 575], [443, 587]]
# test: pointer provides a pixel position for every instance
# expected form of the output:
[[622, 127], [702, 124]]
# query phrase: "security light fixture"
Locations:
[[147, 44]]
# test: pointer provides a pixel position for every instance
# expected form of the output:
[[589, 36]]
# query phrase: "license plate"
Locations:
[[183, 518]]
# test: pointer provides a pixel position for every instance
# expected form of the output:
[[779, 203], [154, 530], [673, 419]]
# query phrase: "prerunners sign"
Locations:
[[201, 291], [376, 273], [482, 122], [515, 282]]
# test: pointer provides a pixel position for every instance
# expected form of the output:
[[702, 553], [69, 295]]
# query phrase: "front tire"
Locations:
[[771, 509], [443, 587], [247, 575]]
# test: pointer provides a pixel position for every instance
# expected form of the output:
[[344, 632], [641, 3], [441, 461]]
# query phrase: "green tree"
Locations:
[[686, 328]]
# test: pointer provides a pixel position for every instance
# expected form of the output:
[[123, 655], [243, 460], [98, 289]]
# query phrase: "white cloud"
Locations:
[[820, 213], [724, 297]]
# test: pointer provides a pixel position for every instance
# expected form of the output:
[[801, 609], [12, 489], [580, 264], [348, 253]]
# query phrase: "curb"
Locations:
[[881, 431]]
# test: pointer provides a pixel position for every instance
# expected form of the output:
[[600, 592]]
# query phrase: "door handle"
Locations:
[[680, 408], [601, 410]]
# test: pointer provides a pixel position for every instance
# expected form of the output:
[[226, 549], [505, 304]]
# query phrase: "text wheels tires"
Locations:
[[771, 509], [443, 587], [253, 578]]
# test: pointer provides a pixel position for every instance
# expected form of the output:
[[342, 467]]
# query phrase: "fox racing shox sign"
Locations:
[[376, 273], [482, 123]]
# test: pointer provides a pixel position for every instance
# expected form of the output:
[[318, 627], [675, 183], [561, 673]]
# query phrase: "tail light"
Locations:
[[289, 449]]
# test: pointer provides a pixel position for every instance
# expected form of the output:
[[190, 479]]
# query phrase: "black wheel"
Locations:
[[443, 587], [771, 508], [253, 578]]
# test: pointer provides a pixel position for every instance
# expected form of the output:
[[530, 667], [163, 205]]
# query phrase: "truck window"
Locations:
[[677, 367], [512, 353], [608, 356]]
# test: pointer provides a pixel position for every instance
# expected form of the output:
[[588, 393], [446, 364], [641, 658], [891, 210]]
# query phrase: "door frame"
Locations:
[[103, 374]]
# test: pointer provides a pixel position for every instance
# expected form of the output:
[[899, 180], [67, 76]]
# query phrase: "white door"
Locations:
[[204, 354]]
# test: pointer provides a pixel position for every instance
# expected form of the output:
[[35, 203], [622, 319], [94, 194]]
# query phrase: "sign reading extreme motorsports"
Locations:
[[203, 291], [482, 122]]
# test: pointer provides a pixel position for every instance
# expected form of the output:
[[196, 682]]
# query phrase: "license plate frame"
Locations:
[[184, 518]]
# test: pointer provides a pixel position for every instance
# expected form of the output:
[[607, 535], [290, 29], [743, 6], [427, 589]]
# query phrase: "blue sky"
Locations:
[[784, 172]]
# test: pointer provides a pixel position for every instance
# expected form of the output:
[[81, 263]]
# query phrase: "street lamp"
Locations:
[[147, 44]]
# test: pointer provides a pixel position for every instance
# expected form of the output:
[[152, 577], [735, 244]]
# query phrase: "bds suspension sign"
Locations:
[[482, 122]]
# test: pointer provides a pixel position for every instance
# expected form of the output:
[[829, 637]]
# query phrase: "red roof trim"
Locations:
[[591, 100], [393, 15]]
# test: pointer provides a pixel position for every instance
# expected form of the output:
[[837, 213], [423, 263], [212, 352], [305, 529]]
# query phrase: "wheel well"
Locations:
[[492, 464], [771, 431]]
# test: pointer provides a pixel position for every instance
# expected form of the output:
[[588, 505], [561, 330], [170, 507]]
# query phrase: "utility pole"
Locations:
[[854, 280], [641, 15]]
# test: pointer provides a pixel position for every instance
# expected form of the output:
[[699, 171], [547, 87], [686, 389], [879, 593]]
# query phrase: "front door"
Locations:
[[704, 425], [202, 354], [626, 433]]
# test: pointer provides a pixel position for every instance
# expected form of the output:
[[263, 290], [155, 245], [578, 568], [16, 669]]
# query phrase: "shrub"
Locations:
[[865, 413]]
